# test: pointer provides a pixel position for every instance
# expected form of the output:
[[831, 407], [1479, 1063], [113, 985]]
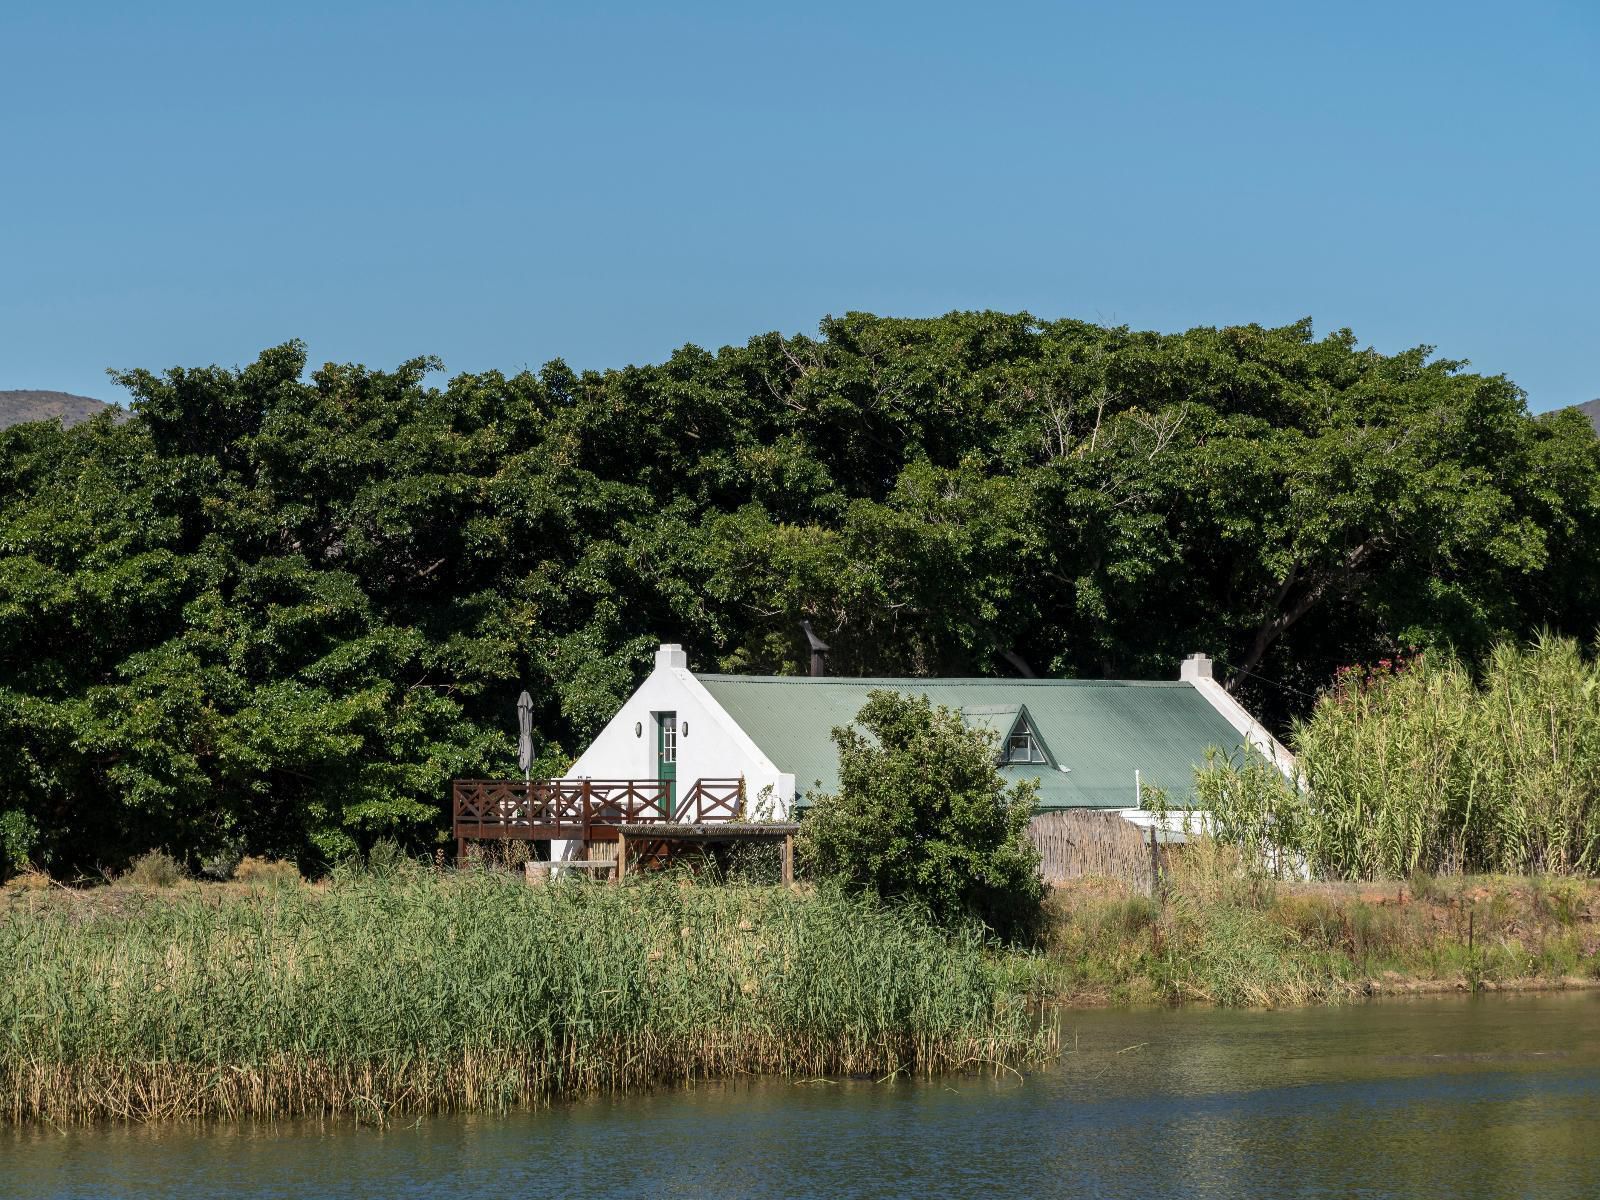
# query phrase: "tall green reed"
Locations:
[[427, 992], [1419, 767]]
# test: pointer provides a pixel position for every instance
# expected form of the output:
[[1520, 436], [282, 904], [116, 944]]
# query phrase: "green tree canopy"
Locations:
[[280, 608]]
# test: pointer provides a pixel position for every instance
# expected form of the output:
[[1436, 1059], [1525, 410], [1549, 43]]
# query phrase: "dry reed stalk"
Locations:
[[1077, 845]]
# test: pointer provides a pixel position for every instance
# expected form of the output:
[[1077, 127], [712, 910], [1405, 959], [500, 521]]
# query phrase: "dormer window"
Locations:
[[1022, 746], [1017, 740]]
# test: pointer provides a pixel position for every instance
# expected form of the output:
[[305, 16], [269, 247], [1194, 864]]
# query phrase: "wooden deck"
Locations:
[[585, 810]]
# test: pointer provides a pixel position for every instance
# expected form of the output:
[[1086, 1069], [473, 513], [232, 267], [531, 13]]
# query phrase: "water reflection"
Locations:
[[1489, 1097]]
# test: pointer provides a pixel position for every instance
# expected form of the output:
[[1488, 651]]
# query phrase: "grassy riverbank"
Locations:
[[375, 996], [1220, 935]]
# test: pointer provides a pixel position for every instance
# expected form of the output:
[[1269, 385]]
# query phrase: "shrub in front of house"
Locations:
[[922, 815]]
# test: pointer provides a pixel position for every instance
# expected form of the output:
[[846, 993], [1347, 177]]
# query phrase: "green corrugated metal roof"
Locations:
[[998, 719], [1103, 730]]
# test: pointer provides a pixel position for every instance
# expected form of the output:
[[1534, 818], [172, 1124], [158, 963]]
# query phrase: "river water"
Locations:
[[1492, 1096]]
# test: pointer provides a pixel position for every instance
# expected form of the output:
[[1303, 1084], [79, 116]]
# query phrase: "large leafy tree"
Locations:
[[280, 608]]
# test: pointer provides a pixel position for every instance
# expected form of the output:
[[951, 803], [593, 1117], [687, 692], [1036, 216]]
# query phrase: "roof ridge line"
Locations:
[[927, 680]]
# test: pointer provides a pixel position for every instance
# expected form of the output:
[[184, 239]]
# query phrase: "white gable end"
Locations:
[[710, 743]]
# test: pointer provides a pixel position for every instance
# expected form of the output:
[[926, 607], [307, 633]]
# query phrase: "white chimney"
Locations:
[[671, 655], [1196, 666]]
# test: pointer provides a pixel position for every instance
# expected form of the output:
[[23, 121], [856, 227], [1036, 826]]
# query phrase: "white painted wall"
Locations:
[[711, 745], [1177, 826]]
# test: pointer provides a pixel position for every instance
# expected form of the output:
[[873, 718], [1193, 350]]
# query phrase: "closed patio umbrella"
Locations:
[[525, 735]]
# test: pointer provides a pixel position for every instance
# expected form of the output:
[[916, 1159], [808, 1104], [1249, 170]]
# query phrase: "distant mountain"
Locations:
[[1591, 409], [19, 406]]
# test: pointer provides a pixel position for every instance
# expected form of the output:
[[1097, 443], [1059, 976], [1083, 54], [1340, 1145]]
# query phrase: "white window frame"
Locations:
[[1023, 732]]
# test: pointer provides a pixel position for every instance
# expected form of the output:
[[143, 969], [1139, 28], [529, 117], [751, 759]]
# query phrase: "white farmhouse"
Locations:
[[1088, 742]]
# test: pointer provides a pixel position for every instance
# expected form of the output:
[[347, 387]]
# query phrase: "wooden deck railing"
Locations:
[[711, 800], [563, 809]]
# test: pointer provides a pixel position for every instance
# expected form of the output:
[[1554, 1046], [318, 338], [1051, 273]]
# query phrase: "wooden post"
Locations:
[[788, 860], [622, 856], [1155, 865]]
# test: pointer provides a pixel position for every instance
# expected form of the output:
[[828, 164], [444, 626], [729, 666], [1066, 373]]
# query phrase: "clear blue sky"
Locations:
[[500, 184]]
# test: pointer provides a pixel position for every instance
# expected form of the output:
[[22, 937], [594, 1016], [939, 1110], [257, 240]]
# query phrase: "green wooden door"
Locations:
[[667, 757]]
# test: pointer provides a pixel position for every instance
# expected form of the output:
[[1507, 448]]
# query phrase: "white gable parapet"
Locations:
[[710, 744], [760, 772], [1197, 670]]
